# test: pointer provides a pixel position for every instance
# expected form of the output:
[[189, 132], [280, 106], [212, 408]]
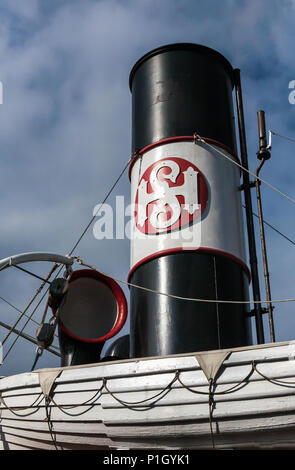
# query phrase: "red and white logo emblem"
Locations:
[[171, 194]]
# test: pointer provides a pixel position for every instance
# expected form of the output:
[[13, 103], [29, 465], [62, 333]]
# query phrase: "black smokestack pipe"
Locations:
[[75, 352], [180, 184]]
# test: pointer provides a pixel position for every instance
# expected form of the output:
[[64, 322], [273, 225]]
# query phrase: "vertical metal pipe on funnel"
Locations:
[[249, 213], [187, 225]]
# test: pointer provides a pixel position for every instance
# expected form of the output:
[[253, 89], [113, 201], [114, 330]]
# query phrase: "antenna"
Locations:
[[263, 154]]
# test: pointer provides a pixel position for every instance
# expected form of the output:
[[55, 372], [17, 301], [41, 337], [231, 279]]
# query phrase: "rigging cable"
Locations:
[[29, 338], [282, 136], [31, 301], [55, 266], [30, 318], [100, 206], [264, 221], [192, 299], [200, 139], [273, 228], [17, 309]]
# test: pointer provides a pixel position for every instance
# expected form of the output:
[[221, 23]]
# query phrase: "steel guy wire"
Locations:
[[282, 136], [100, 206], [72, 250], [200, 139], [192, 299], [17, 309], [30, 303], [274, 228]]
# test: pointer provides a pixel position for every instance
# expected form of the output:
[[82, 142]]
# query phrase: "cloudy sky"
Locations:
[[65, 128]]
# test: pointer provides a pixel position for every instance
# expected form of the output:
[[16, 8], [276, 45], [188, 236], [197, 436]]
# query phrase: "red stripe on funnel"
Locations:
[[201, 249], [186, 138]]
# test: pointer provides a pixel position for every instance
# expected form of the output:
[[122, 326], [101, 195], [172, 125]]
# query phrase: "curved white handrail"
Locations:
[[35, 256]]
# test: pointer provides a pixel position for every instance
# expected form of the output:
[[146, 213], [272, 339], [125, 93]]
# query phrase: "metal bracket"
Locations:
[[269, 140], [253, 312], [251, 184]]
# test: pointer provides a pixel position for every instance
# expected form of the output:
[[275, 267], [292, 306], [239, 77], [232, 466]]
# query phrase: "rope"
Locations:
[[18, 310], [30, 317], [100, 206], [30, 338], [273, 228], [282, 136], [29, 304], [31, 301], [211, 406], [30, 406], [223, 392], [31, 274], [199, 139], [135, 403], [50, 399], [49, 422], [211, 394], [276, 381], [68, 407], [55, 266], [191, 299]]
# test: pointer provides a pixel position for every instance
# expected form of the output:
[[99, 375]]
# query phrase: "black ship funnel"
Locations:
[[187, 225]]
